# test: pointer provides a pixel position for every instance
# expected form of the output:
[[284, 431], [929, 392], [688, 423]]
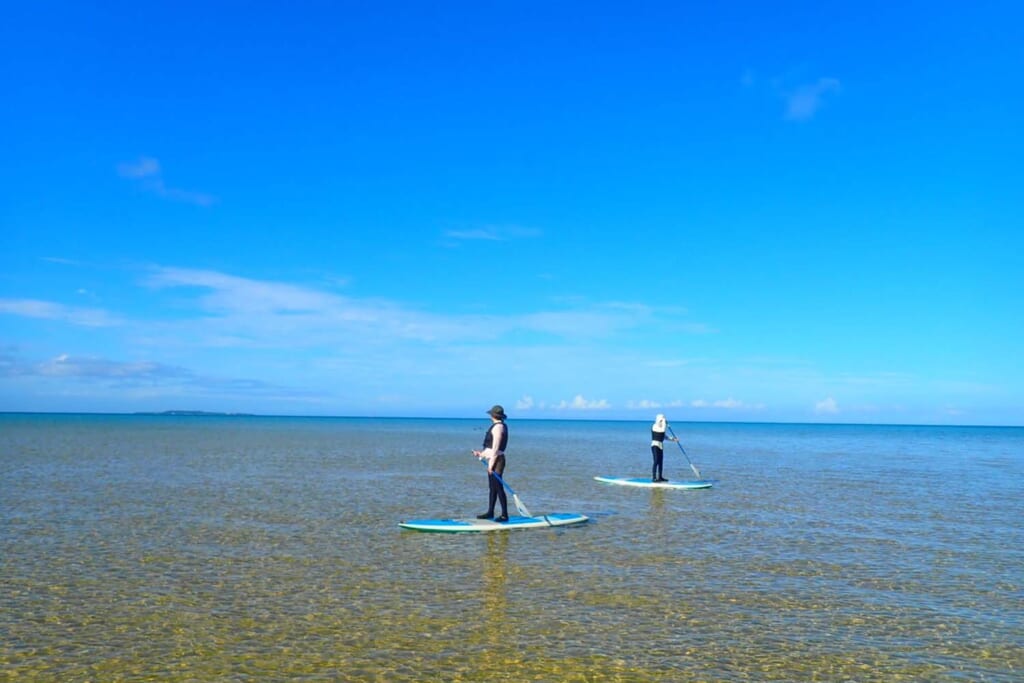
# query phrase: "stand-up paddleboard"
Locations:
[[477, 525], [644, 482]]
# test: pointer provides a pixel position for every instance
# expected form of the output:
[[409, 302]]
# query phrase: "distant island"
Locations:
[[194, 413]]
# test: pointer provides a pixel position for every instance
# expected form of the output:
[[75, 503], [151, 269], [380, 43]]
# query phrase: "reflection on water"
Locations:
[[495, 601], [245, 549]]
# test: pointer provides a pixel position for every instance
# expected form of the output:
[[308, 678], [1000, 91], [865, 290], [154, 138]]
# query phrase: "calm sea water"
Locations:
[[138, 548]]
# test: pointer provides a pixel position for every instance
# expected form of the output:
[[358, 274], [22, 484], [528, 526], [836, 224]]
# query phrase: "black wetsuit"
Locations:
[[495, 490]]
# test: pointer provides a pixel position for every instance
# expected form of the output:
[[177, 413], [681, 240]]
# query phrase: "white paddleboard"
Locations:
[[646, 483], [477, 525]]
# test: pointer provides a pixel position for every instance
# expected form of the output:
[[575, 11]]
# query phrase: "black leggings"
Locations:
[[659, 456], [495, 491]]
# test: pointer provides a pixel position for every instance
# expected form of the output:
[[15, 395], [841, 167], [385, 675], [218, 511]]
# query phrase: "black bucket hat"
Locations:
[[497, 411]]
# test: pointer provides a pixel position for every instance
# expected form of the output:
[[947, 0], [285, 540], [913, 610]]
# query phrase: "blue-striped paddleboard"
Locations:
[[452, 526], [646, 483]]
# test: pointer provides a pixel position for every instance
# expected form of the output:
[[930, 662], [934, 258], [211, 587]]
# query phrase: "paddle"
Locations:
[[515, 497], [684, 453]]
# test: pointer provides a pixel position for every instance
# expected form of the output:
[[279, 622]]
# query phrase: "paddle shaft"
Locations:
[[692, 467], [515, 498]]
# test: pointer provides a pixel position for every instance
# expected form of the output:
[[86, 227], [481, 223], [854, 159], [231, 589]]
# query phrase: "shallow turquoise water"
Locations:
[[201, 548]]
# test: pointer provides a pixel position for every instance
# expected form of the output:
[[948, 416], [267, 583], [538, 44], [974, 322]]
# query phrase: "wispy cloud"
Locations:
[[676, 362], [66, 365], [827, 406], [267, 312], [576, 323], [525, 403], [802, 98], [241, 311], [144, 167], [232, 294], [803, 102], [312, 335], [648, 404], [9, 365], [644, 404], [145, 377], [61, 261], [726, 403], [580, 403], [489, 233], [147, 173], [47, 310]]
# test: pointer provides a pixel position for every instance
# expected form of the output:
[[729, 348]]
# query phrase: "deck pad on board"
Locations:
[[647, 483], [477, 525]]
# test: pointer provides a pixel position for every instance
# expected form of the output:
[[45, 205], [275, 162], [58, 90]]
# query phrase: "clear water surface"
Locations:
[[137, 548]]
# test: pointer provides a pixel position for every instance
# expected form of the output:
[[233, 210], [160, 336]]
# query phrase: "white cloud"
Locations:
[[65, 365], [474, 234], [490, 233], [238, 294], [647, 404], [145, 167], [644, 404], [590, 322], [580, 403], [268, 312], [148, 174], [826, 406], [666, 363], [803, 98], [727, 403], [805, 101], [146, 378], [313, 335], [185, 196], [47, 310]]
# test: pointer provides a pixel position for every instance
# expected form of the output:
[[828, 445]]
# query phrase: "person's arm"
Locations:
[[489, 453], [668, 434], [496, 436]]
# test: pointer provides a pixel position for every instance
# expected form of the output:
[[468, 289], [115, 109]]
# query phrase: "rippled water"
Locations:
[[206, 549]]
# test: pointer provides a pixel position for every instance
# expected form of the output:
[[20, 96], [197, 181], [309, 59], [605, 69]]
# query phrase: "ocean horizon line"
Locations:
[[233, 414]]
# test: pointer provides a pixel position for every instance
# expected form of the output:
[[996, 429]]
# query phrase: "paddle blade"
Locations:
[[519, 506], [685, 454]]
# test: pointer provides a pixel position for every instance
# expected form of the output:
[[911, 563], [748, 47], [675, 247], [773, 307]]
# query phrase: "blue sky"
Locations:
[[794, 211]]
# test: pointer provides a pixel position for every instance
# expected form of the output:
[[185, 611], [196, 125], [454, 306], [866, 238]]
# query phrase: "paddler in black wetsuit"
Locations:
[[495, 441]]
